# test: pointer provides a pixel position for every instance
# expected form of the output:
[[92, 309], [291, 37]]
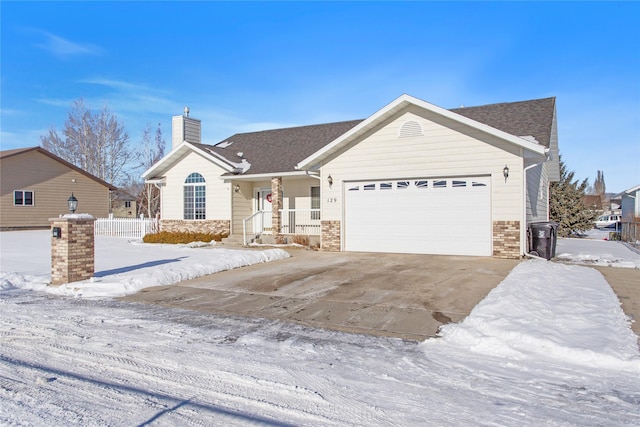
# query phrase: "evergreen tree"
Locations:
[[567, 204]]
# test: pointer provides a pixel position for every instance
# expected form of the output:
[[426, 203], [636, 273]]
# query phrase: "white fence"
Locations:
[[294, 221], [133, 228]]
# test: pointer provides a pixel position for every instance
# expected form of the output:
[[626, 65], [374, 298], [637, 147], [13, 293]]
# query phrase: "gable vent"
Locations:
[[409, 129]]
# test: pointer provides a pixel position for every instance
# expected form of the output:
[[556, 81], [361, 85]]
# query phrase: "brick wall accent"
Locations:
[[330, 239], [73, 254], [215, 226], [506, 239], [276, 205]]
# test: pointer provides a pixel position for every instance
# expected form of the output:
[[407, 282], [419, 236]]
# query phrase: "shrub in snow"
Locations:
[[182, 237]]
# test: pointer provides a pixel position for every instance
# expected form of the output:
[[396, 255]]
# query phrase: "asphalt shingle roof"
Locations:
[[524, 118], [279, 150]]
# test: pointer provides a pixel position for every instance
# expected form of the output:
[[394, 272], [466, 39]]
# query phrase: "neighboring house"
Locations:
[[630, 203], [411, 178], [594, 203], [123, 204], [35, 185]]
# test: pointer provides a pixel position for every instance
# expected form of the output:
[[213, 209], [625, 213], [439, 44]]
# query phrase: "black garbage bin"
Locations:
[[543, 237]]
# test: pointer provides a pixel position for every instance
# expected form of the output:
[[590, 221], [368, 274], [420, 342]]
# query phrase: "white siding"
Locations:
[[218, 191], [537, 193], [243, 203], [630, 206], [447, 149], [297, 193]]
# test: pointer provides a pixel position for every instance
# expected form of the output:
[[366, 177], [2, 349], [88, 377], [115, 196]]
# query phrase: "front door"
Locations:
[[263, 204]]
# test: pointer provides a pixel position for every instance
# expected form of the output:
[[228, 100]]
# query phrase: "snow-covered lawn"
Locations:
[[548, 346]]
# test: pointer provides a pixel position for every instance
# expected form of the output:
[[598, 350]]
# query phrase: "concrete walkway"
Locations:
[[406, 296], [625, 282]]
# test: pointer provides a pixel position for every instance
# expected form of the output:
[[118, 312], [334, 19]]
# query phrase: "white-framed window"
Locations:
[[23, 198], [315, 202], [195, 197]]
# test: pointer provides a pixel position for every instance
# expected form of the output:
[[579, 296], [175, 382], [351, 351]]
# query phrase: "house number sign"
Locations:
[[332, 200]]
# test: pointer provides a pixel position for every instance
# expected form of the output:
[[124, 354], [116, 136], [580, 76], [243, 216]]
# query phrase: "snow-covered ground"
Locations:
[[548, 346]]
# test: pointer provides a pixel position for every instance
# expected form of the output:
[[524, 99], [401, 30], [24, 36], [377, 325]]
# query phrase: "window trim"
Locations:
[[24, 198], [315, 215], [197, 184]]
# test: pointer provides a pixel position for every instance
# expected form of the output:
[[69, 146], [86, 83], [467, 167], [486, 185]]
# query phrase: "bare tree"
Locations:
[[151, 153], [95, 142]]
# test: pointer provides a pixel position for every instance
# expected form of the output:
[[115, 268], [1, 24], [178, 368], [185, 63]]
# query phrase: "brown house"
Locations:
[[594, 202], [123, 204], [35, 185]]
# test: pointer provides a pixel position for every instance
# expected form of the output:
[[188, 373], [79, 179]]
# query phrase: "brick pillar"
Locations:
[[276, 205], [506, 239], [330, 239], [72, 255]]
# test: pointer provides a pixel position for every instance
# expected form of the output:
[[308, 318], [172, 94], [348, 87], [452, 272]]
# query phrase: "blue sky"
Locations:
[[246, 66]]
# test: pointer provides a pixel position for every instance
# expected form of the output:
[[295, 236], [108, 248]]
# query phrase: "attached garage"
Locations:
[[445, 216]]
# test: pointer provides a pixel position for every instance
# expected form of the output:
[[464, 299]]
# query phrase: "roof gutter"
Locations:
[[257, 176]]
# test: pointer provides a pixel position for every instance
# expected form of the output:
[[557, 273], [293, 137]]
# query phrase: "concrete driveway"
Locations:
[[406, 296]]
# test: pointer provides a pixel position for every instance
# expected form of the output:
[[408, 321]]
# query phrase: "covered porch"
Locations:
[[276, 208]]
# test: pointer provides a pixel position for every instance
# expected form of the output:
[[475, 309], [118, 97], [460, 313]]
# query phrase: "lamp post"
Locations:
[[73, 203]]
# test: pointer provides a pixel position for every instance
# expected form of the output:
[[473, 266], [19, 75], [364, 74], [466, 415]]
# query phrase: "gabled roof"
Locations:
[[593, 201], [159, 168], [292, 150], [279, 150], [627, 192], [19, 151], [122, 195], [523, 118], [406, 100]]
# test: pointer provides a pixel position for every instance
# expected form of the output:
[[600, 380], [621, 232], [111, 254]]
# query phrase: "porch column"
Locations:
[[276, 206]]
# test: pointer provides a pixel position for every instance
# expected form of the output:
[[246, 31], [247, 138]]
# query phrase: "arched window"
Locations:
[[195, 197]]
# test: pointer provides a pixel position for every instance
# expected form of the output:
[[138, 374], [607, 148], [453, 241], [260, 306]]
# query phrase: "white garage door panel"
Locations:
[[433, 216]]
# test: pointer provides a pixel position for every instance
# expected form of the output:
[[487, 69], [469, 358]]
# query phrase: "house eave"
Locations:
[[396, 106], [262, 176], [166, 162]]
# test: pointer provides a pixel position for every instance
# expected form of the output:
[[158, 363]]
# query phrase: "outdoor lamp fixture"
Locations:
[[73, 203], [330, 180], [236, 188], [505, 172]]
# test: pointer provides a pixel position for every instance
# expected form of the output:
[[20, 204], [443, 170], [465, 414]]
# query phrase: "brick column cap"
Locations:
[[73, 217]]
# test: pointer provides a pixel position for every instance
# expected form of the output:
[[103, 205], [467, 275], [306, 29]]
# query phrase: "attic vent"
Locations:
[[409, 129]]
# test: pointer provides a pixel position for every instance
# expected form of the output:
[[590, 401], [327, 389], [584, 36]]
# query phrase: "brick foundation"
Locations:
[[72, 255], [506, 239], [330, 239], [215, 226]]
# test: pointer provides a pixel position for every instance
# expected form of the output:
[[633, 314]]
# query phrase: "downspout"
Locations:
[[523, 229]]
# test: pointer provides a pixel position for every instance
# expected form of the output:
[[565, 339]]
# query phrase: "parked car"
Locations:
[[607, 221]]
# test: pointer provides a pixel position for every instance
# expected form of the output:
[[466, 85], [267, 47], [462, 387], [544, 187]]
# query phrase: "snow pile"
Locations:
[[549, 310], [122, 267]]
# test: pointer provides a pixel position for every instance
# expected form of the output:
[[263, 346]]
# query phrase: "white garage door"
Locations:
[[448, 216]]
